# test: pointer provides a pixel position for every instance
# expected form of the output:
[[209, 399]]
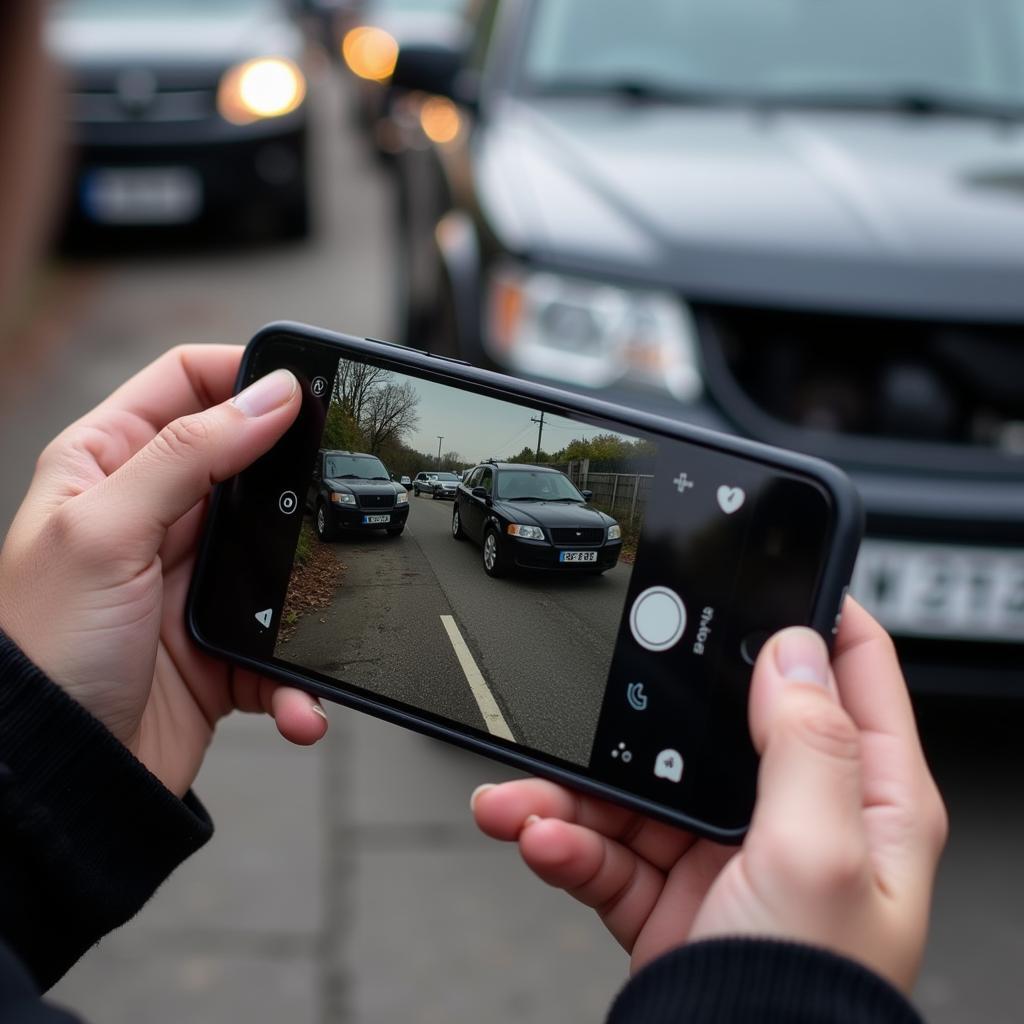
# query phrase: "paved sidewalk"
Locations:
[[347, 884]]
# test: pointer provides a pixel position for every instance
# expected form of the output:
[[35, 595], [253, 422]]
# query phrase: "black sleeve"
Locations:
[[86, 832], [19, 997], [740, 981]]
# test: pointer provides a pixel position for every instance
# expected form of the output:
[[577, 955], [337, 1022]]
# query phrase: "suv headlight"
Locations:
[[342, 498], [614, 531], [260, 88], [402, 499], [526, 532], [591, 333]]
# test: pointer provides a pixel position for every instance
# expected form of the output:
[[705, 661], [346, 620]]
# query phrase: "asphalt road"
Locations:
[[346, 884], [542, 642]]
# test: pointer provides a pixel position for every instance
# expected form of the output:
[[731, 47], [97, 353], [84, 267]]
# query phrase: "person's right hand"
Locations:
[[845, 838]]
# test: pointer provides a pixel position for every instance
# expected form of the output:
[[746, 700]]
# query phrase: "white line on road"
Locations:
[[493, 718]]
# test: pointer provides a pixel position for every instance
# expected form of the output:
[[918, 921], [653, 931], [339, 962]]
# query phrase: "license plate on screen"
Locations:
[[946, 591], [142, 195], [373, 520], [578, 556]]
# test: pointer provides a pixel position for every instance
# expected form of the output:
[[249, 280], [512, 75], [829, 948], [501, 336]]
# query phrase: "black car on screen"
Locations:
[[353, 491], [794, 221], [533, 517], [185, 112]]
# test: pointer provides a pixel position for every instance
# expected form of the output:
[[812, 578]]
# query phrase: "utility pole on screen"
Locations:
[[540, 431], [440, 438]]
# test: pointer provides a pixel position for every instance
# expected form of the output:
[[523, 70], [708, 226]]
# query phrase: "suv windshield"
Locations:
[[446, 476], [915, 53], [536, 485], [358, 467]]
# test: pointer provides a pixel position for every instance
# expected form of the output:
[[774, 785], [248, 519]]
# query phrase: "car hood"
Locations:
[[868, 210], [365, 486], [148, 37], [554, 514]]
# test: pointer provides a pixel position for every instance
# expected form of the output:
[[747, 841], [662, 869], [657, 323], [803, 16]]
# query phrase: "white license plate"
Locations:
[[935, 590], [143, 195], [578, 556], [371, 520]]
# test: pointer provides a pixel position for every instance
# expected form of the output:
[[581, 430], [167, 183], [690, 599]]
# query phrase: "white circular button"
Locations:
[[288, 502], [657, 618]]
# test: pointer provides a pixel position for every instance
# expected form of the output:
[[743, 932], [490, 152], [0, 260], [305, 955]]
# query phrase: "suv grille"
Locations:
[[569, 536], [871, 379], [376, 500], [117, 95]]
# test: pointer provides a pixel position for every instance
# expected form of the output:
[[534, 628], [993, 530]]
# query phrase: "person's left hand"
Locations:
[[95, 569]]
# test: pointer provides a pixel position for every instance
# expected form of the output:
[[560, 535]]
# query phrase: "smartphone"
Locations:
[[568, 586]]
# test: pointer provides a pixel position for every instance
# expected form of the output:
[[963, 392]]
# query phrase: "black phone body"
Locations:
[[613, 652]]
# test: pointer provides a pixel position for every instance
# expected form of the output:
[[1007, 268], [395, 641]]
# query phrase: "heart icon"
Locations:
[[730, 499]]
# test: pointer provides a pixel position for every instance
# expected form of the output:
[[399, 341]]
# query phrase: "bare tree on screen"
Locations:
[[370, 409]]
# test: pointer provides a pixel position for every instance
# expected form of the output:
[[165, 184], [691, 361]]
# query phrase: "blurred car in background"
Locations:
[[184, 111], [798, 220], [371, 34]]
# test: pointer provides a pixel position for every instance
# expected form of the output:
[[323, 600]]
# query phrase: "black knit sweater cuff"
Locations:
[[729, 981], [89, 832]]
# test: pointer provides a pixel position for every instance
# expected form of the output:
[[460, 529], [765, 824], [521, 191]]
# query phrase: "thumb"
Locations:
[[180, 465], [809, 811]]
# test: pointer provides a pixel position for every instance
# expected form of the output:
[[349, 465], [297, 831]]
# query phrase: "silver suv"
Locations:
[[437, 485]]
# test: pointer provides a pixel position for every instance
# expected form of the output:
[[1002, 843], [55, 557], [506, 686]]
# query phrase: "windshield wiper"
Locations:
[[640, 90], [921, 102]]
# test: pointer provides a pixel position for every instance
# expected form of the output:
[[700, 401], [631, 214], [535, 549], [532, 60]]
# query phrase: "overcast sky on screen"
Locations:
[[479, 428]]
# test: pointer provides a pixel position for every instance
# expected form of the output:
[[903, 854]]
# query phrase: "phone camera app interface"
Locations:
[[467, 556], [555, 584]]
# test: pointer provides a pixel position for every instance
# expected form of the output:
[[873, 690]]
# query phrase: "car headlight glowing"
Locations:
[[591, 333], [341, 498], [370, 52], [526, 532], [260, 88], [614, 531], [402, 499], [439, 119]]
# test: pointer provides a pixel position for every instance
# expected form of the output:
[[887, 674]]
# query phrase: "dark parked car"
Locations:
[[796, 221], [533, 517], [353, 491], [184, 111]]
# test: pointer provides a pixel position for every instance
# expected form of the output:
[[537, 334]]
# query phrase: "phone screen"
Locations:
[[564, 586]]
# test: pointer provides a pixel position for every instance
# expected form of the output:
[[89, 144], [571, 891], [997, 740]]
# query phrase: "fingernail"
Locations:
[[317, 710], [476, 793], [266, 394], [801, 656], [531, 819]]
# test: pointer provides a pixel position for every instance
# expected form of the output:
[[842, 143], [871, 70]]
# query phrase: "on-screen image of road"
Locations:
[[408, 610]]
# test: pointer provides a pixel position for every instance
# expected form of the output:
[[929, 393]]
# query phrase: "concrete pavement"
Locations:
[[541, 643]]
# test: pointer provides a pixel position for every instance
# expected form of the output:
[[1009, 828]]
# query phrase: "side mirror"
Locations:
[[428, 67], [479, 492], [587, 495]]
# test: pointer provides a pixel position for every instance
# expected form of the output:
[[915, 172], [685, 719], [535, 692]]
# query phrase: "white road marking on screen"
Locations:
[[493, 718]]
